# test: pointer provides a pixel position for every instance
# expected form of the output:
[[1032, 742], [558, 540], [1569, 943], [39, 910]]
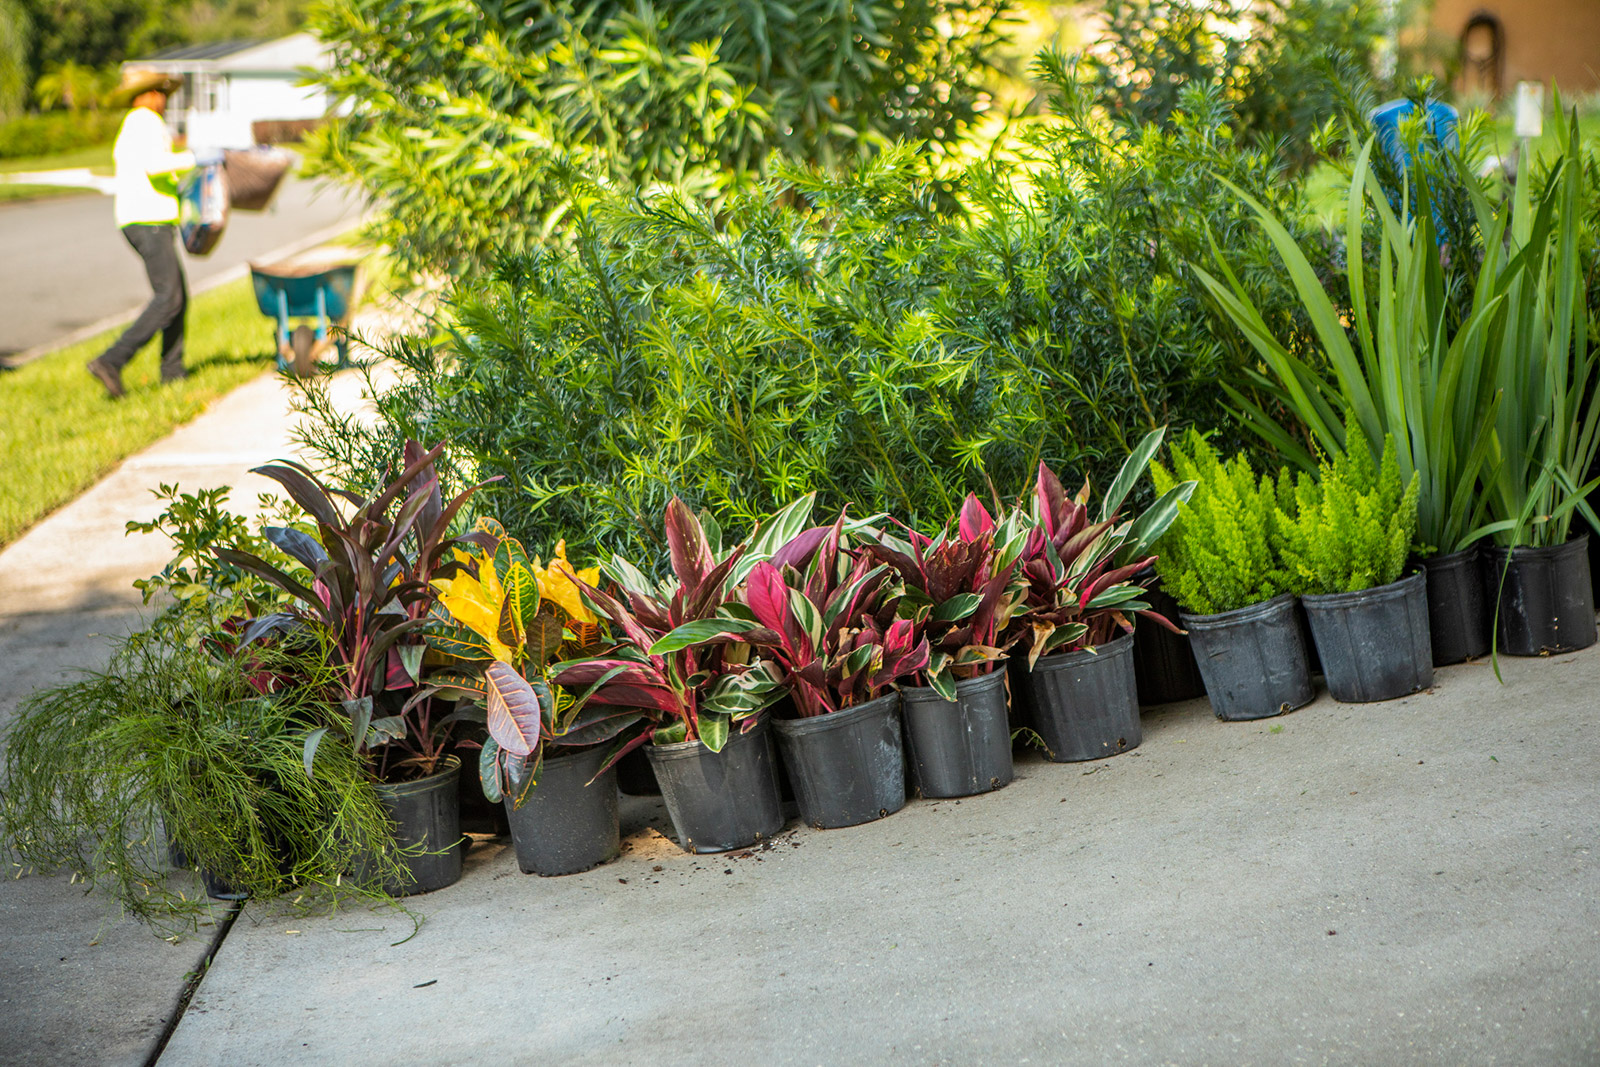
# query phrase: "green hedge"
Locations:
[[57, 131], [840, 334]]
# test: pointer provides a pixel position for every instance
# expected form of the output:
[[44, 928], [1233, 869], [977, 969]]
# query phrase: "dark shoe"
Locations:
[[168, 379], [109, 377]]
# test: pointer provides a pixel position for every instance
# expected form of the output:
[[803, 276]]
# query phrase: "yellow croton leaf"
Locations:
[[476, 603], [556, 584]]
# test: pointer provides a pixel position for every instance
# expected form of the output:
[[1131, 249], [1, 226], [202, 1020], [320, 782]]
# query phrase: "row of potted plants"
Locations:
[[871, 652]]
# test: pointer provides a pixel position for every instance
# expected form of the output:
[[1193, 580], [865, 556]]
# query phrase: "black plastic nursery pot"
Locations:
[[1086, 703], [1546, 598], [479, 814], [1164, 662], [1458, 614], [720, 800], [1020, 682], [1253, 659], [848, 767], [427, 829], [956, 748], [1374, 644], [635, 777], [566, 825]]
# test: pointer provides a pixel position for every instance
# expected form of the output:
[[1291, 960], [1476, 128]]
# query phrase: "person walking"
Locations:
[[146, 184]]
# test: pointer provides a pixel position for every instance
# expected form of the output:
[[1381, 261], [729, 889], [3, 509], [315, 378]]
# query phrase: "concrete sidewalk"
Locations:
[[77, 983], [1405, 882]]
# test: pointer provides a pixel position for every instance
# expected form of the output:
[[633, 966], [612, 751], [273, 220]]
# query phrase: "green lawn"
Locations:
[[60, 432], [10, 191], [97, 158]]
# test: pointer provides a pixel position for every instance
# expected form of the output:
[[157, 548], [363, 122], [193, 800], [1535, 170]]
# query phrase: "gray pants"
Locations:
[[157, 246]]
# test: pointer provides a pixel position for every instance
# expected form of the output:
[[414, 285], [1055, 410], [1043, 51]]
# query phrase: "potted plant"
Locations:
[[365, 598], [1411, 366], [958, 590], [505, 619], [824, 617], [1346, 536], [699, 691], [1548, 428], [179, 738], [1084, 585], [1222, 560], [1164, 666]]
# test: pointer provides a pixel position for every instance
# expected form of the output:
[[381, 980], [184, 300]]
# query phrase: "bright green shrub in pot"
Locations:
[[1347, 535], [1222, 560]]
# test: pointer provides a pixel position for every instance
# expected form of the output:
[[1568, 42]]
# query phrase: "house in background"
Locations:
[[239, 93], [1502, 42]]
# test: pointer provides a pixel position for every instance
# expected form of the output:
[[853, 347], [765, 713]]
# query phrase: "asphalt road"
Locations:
[[64, 265]]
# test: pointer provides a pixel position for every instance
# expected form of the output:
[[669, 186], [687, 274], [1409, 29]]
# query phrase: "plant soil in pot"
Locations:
[[565, 824], [848, 766], [1086, 702], [1253, 659], [427, 829], [1546, 598], [961, 747], [1164, 663], [1458, 615], [720, 800], [1374, 643]]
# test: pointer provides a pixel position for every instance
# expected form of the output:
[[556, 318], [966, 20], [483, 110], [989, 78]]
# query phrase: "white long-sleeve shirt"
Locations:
[[147, 170]]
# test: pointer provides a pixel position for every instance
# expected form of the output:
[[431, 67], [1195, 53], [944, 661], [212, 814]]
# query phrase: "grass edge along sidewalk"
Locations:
[[60, 433]]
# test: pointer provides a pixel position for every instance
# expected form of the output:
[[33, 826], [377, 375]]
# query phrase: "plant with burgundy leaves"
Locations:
[[367, 600], [824, 617], [677, 663], [1083, 577], [959, 590]]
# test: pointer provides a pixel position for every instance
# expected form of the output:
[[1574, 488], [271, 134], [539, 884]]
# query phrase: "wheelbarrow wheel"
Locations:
[[304, 343]]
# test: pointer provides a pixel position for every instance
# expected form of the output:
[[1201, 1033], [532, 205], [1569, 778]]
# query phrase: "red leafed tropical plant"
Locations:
[[959, 590], [824, 618], [366, 597], [675, 662], [1082, 576]]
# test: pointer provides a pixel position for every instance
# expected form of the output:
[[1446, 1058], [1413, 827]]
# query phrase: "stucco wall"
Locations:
[[1545, 40]]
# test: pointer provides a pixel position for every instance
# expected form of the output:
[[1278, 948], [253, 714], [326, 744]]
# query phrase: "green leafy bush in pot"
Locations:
[[1224, 550], [1350, 528]]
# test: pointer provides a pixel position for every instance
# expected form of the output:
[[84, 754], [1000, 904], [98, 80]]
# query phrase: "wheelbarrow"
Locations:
[[321, 291]]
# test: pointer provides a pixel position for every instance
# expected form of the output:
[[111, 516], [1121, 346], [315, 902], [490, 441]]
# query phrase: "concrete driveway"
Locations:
[[64, 266]]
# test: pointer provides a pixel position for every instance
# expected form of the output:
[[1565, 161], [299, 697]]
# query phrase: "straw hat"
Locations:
[[138, 80]]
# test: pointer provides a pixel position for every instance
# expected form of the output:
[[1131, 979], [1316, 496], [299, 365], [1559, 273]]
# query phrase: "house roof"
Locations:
[[284, 55], [194, 53]]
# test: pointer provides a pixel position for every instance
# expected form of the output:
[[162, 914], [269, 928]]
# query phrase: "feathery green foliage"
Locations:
[[1224, 551], [1350, 528], [170, 734]]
